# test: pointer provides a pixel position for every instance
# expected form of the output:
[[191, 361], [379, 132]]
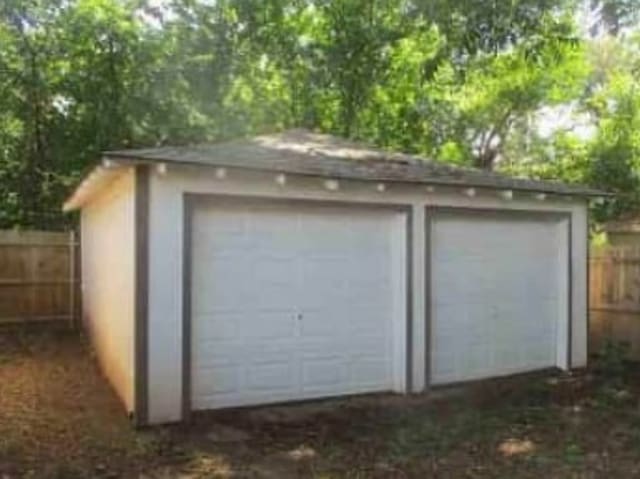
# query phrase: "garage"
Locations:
[[297, 265], [295, 301], [500, 293]]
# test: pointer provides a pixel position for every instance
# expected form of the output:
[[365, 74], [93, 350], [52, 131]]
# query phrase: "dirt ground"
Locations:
[[60, 419]]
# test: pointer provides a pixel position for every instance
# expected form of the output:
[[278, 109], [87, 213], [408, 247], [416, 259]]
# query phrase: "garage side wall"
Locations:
[[108, 275]]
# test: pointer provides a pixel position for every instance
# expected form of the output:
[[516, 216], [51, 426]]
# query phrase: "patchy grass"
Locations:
[[59, 419]]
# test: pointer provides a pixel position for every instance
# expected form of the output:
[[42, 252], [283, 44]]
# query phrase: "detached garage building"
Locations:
[[300, 266]]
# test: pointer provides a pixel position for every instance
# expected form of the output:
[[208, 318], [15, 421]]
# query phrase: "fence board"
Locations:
[[38, 276], [614, 297]]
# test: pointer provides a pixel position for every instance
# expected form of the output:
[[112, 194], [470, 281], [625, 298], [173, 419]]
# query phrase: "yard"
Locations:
[[59, 419]]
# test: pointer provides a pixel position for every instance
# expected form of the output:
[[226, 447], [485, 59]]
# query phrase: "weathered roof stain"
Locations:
[[307, 153]]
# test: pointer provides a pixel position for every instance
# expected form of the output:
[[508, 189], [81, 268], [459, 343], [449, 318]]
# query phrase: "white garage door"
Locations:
[[499, 295], [294, 302]]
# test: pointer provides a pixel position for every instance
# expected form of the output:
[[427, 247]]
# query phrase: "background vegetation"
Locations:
[[545, 88]]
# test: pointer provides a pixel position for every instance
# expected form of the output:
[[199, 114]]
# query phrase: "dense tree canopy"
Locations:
[[545, 88]]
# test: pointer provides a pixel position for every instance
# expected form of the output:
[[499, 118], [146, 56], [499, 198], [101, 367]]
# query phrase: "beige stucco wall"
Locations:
[[107, 235], [165, 258]]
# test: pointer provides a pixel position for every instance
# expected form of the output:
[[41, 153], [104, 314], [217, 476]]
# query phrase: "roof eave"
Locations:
[[586, 193], [96, 180]]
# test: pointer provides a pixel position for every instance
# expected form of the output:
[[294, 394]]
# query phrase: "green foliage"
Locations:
[[573, 453], [616, 148], [615, 15], [68, 87], [460, 81], [612, 361]]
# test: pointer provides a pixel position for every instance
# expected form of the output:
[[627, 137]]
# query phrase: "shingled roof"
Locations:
[[306, 153]]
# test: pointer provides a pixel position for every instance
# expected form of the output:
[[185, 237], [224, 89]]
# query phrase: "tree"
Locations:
[[615, 149], [612, 16], [459, 81]]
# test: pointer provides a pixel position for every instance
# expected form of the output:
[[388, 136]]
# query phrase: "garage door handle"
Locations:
[[299, 316]]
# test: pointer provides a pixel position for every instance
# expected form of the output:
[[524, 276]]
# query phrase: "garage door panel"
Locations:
[[504, 355], [333, 299], [225, 380], [269, 325], [476, 359], [227, 246], [491, 237], [328, 322], [270, 284], [211, 354], [268, 249], [320, 373], [268, 221], [369, 291], [371, 372], [304, 308], [444, 367], [312, 351], [451, 279], [274, 244], [271, 269], [271, 376], [329, 272], [229, 225], [324, 284], [274, 297], [452, 320], [321, 247], [218, 326], [539, 352], [550, 305], [499, 289], [448, 278], [370, 321], [542, 285], [371, 344], [219, 294]]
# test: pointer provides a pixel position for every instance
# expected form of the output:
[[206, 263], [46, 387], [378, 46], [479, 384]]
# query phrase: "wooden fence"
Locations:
[[614, 297], [38, 277]]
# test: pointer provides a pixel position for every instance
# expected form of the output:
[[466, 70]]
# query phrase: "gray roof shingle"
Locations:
[[307, 153]]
